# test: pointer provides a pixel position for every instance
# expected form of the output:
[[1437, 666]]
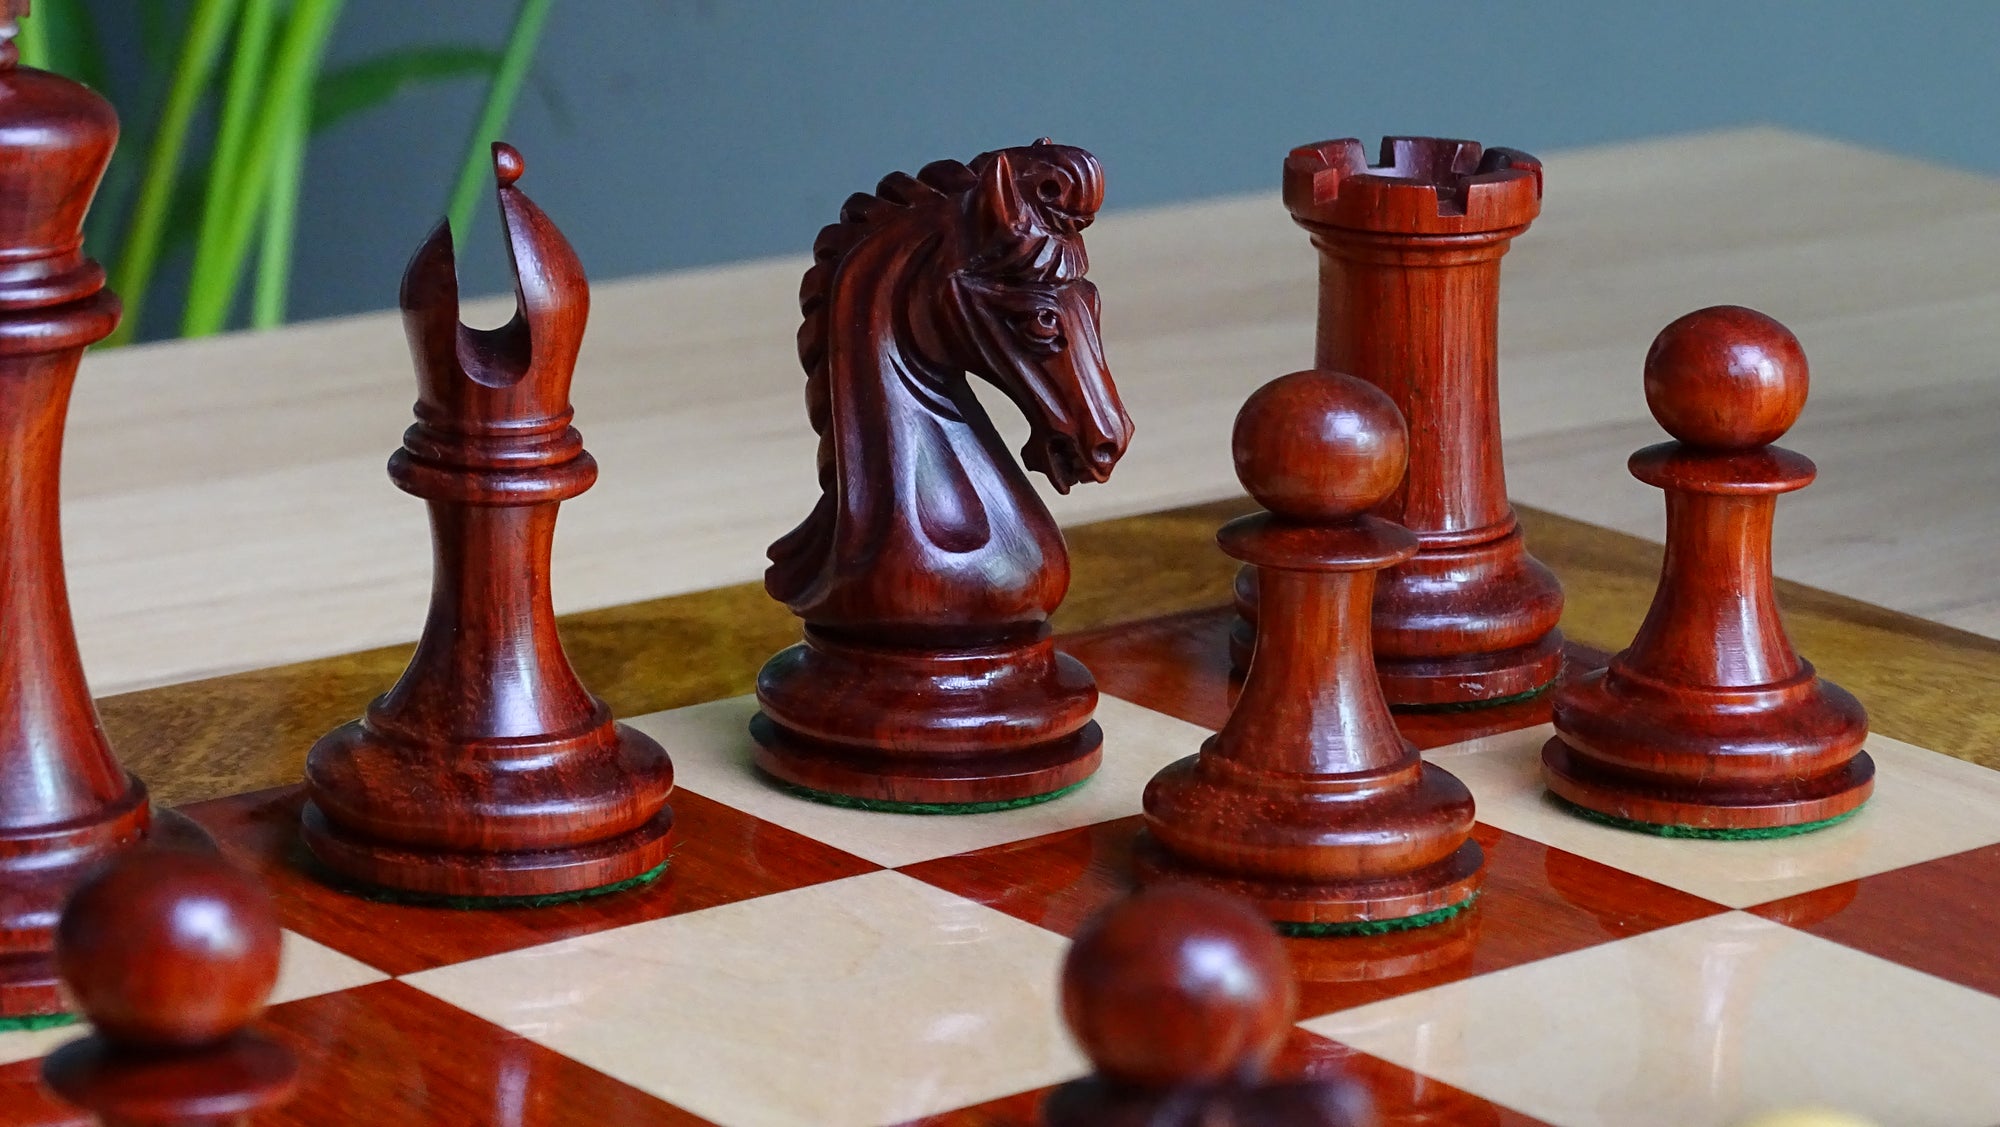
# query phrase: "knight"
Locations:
[[926, 573]]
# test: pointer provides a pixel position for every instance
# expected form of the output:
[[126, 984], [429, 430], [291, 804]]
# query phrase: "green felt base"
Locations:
[[490, 903], [28, 1023], [1477, 705], [1375, 927], [1702, 833], [887, 806]]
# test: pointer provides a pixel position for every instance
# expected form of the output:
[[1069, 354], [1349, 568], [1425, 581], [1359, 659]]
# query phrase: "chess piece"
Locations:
[[1309, 802], [1711, 721], [171, 955], [927, 571], [65, 803], [1409, 300], [489, 770], [1180, 997]]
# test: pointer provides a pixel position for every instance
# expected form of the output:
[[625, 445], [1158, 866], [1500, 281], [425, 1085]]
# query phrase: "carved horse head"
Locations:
[[962, 269]]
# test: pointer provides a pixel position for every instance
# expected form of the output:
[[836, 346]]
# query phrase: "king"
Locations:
[[926, 573]]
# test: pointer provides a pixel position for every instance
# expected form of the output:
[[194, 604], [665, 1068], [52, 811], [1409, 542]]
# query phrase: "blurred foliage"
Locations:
[[255, 69]]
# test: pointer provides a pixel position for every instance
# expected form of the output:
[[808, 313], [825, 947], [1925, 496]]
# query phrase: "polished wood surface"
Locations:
[[1710, 719], [1409, 299], [1181, 997], [189, 467], [65, 803], [928, 568], [171, 954], [488, 769], [1308, 801]]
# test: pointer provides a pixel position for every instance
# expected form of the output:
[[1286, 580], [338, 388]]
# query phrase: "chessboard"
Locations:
[[801, 963]]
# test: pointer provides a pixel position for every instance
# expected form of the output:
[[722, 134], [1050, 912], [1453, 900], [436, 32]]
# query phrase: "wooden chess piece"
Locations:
[[65, 803], [1711, 721], [171, 955], [1181, 997], [927, 571], [489, 770], [1309, 802], [1409, 300]]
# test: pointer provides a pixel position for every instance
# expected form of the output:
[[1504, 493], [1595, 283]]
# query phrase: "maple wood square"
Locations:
[[1704, 1024], [858, 1002], [1938, 916]]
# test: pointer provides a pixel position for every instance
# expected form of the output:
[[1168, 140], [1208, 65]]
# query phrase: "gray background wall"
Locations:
[[674, 133]]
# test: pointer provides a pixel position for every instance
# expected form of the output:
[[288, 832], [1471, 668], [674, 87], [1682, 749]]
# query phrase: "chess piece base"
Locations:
[[927, 726], [32, 899], [558, 814], [1378, 846], [211, 1084], [1467, 624], [1773, 755], [1444, 884]]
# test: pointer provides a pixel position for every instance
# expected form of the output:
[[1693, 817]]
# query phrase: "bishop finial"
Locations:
[[508, 164]]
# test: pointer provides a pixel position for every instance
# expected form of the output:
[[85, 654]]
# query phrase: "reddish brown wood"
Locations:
[[1308, 801], [927, 572], [171, 954], [1409, 300], [1711, 719], [721, 856], [489, 770], [1181, 997], [65, 803]]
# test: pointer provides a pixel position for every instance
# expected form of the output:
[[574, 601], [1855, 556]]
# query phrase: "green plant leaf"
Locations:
[[68, 42], [364, 85], [500, 96]]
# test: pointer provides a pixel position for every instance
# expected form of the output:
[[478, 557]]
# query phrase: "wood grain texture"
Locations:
[[1409, 300], [190, 469], [171, 954], [1710, 718], [928, 567], [488, 769], [66, 805], [1308, 801], [1181, 998], [1923, 682]]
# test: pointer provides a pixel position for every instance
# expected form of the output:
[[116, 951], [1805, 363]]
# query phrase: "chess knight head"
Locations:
[[1027, 317], [961, 270]]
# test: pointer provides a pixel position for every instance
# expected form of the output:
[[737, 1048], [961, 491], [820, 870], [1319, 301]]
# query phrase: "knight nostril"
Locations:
[[1104, 453]]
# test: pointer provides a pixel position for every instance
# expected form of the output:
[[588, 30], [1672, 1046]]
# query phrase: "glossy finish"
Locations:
[[1181, 997], [489, 770], [1710, 718], [171, 954], [1558, 889], [65, 803], [1409, 299], [1308, 801], [927, 572]]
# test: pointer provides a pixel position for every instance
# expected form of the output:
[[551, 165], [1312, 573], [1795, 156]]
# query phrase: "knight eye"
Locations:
[[1043, 325]]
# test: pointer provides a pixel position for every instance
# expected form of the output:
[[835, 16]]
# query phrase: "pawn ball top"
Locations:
[[1178, 985], [169, 948], [1320, 446], [1726, 378], [508, 163]]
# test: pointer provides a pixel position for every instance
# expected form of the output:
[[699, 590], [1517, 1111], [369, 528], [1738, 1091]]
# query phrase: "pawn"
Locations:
[[488, 771], [1711, 724], [170, 954], [1309, 802], [1181, 997]]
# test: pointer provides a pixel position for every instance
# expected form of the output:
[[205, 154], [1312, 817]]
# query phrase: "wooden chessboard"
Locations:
[[805, 964]]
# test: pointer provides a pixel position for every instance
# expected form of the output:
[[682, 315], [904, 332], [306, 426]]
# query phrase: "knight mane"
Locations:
[[1051, 254]]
